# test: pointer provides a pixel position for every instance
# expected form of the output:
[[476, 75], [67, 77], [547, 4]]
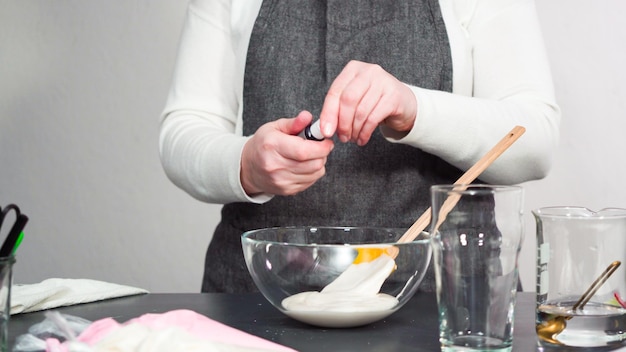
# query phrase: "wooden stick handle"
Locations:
[[468, 177]]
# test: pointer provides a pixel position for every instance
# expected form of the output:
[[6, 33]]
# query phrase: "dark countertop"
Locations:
[[413, 328]]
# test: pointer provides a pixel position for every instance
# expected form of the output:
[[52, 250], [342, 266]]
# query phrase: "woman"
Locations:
[[408, 93]]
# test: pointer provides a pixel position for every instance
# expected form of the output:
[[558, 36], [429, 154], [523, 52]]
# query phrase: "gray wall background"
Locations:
[[82, 84]]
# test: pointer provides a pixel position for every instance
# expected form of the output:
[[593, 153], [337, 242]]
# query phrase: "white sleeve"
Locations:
[[200, 141], [511, 86]]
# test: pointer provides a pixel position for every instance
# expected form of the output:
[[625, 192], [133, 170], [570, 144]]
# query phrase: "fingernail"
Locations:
[[327, 131]]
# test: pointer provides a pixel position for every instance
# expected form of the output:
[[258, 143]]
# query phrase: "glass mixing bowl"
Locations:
[[288, 261]]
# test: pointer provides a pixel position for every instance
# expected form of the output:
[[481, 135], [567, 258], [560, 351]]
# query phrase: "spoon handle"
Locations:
[[468, 177], [580, 304]]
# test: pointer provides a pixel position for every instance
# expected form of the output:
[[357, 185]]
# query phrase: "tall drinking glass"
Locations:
[[477, 232], [6, 278]]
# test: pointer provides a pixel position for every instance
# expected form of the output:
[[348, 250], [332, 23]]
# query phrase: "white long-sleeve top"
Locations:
[[501, 78]]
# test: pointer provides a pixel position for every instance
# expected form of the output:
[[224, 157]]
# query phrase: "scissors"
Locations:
[[15, 233]]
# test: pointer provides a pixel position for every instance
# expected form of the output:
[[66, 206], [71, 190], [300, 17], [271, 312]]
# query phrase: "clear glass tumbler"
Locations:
[[6, 278], [477, 232]]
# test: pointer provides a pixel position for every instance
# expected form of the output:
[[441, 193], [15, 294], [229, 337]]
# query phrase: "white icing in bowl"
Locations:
[[338, 309]]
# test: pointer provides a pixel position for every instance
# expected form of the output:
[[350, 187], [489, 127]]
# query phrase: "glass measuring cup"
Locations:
[[576, 249]]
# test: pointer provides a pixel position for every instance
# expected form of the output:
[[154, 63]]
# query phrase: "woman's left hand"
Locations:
[[362, 97]]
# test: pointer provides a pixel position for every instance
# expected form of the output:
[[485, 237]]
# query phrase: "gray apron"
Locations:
[[296, 50]]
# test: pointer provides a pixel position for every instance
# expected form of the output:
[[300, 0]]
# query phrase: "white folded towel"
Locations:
[[53, 293]]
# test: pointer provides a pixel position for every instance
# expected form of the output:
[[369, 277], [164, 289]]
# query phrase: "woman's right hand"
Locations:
[[275, 160]]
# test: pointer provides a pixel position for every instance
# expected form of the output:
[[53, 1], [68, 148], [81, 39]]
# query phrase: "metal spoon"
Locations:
[[548, 330]]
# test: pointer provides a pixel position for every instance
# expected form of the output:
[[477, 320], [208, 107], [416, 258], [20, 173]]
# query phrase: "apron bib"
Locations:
[[296, 50]]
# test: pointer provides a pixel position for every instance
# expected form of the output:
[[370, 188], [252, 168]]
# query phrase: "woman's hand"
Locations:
[[362, 97], [276, 161]]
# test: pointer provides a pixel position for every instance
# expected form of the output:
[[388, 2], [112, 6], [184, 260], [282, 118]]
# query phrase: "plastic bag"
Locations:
[[51, 332]]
